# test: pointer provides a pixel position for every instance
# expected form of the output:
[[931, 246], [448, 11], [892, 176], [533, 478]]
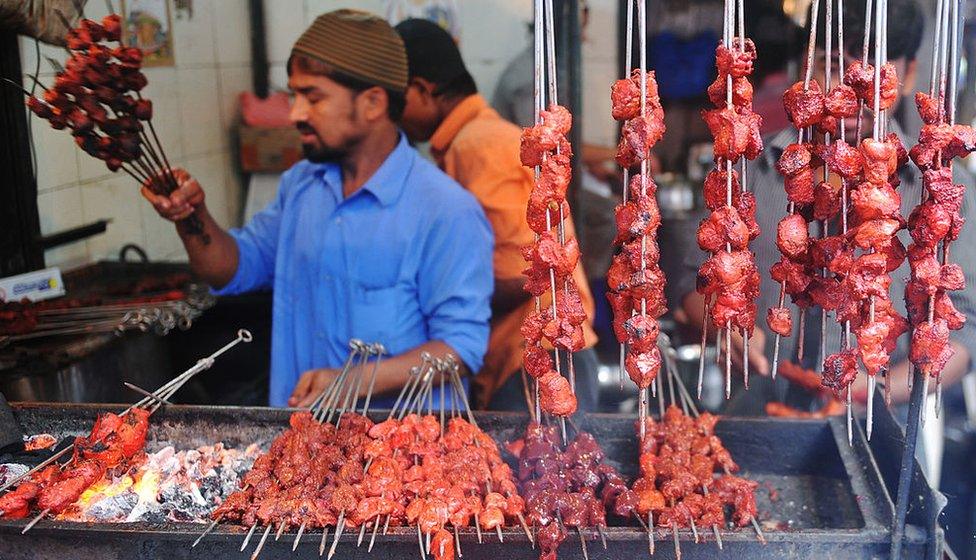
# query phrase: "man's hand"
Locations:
[[310, 385], [180, 203], [757, 357]]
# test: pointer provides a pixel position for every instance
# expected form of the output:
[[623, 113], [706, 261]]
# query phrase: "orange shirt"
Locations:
[[480, 150]]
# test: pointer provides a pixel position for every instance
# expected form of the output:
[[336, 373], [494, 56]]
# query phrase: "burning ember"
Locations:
[[167, 485]]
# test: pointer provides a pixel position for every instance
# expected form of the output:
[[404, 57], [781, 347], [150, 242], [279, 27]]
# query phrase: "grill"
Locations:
[[818, 497]]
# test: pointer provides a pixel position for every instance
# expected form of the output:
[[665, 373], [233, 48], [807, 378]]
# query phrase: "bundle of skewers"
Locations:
[[635, 280], [432, 472], [554, 255], [935, 222], [96, 95], [112, 445], [159, 313], [729, 279]]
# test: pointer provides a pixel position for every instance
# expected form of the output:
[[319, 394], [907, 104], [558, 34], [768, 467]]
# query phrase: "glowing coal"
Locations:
[[167, 485]]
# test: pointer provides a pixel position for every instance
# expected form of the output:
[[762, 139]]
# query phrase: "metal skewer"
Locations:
[[247, 537], [325, 539], [205, 532], [339, 527], [298, 537], [264, 538]]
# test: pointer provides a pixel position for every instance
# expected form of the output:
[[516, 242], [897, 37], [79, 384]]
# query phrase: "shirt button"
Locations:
[[320, 335], [338, 220], [327, 278]]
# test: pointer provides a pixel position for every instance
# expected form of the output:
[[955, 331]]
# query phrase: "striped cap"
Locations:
[[359, 45]]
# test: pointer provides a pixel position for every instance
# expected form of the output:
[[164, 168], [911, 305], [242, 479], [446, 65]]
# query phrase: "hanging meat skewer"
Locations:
[[729, 279], [553, 256], [636, 282], [936, 219], [873, 220]]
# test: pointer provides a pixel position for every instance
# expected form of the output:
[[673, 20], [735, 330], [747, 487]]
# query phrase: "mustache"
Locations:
[[305, 128]]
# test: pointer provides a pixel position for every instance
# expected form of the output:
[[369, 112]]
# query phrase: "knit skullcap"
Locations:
[[359, 45]]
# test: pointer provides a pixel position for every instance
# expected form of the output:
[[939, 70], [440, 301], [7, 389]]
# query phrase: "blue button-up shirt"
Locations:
[[405, 260]]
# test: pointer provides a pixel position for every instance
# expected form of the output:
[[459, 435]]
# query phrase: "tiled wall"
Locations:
[[195, 105], [195, 108]]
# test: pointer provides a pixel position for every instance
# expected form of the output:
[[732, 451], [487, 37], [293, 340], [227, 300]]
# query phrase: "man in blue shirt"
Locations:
[[365, 238]]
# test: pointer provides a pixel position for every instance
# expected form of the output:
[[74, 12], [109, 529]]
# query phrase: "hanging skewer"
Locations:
[[298, 537], [325, 539]]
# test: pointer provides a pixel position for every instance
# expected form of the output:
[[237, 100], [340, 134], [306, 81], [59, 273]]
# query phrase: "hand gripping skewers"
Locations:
[[729, 279], [635, 280], [97, 96], [114, 439], [553, 257], [936, 219]]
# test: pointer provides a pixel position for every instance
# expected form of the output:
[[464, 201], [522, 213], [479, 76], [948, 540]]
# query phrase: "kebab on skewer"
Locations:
[[936, 221], [729, 279], [554, 255], [112, 443], [635, 280], [97, 96], [872, 220]]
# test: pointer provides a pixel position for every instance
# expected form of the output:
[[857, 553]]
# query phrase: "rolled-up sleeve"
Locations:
[[257, 244], [456, 281]]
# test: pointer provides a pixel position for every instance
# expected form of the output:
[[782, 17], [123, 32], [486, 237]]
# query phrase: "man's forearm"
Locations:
[[213, 260]]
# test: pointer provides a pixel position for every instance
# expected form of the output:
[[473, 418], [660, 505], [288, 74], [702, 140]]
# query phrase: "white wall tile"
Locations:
[[164, 92], [211, 172], [118, 199], [200, 111], [284, 21], [232, 82], [193, 37], [232, 32], [278, 76], [28, 57], [598, 126], [55, 149], [60, 210]]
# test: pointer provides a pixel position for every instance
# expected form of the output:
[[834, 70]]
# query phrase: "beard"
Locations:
[[319, 152], [323, 154]]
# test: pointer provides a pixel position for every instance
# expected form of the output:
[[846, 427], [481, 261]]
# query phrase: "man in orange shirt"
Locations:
[[477, 148]]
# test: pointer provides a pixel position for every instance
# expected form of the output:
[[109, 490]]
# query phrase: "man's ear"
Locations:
[[374, 102], [908, 80], [423, 86]]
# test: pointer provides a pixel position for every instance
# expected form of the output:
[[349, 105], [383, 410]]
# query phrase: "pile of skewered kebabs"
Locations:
[[729, 279], [412, 469], [564, 489], [96, 95], [635, 280]]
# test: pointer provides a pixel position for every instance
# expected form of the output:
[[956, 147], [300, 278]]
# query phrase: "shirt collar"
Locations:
[[462, 114], [387, 183]]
